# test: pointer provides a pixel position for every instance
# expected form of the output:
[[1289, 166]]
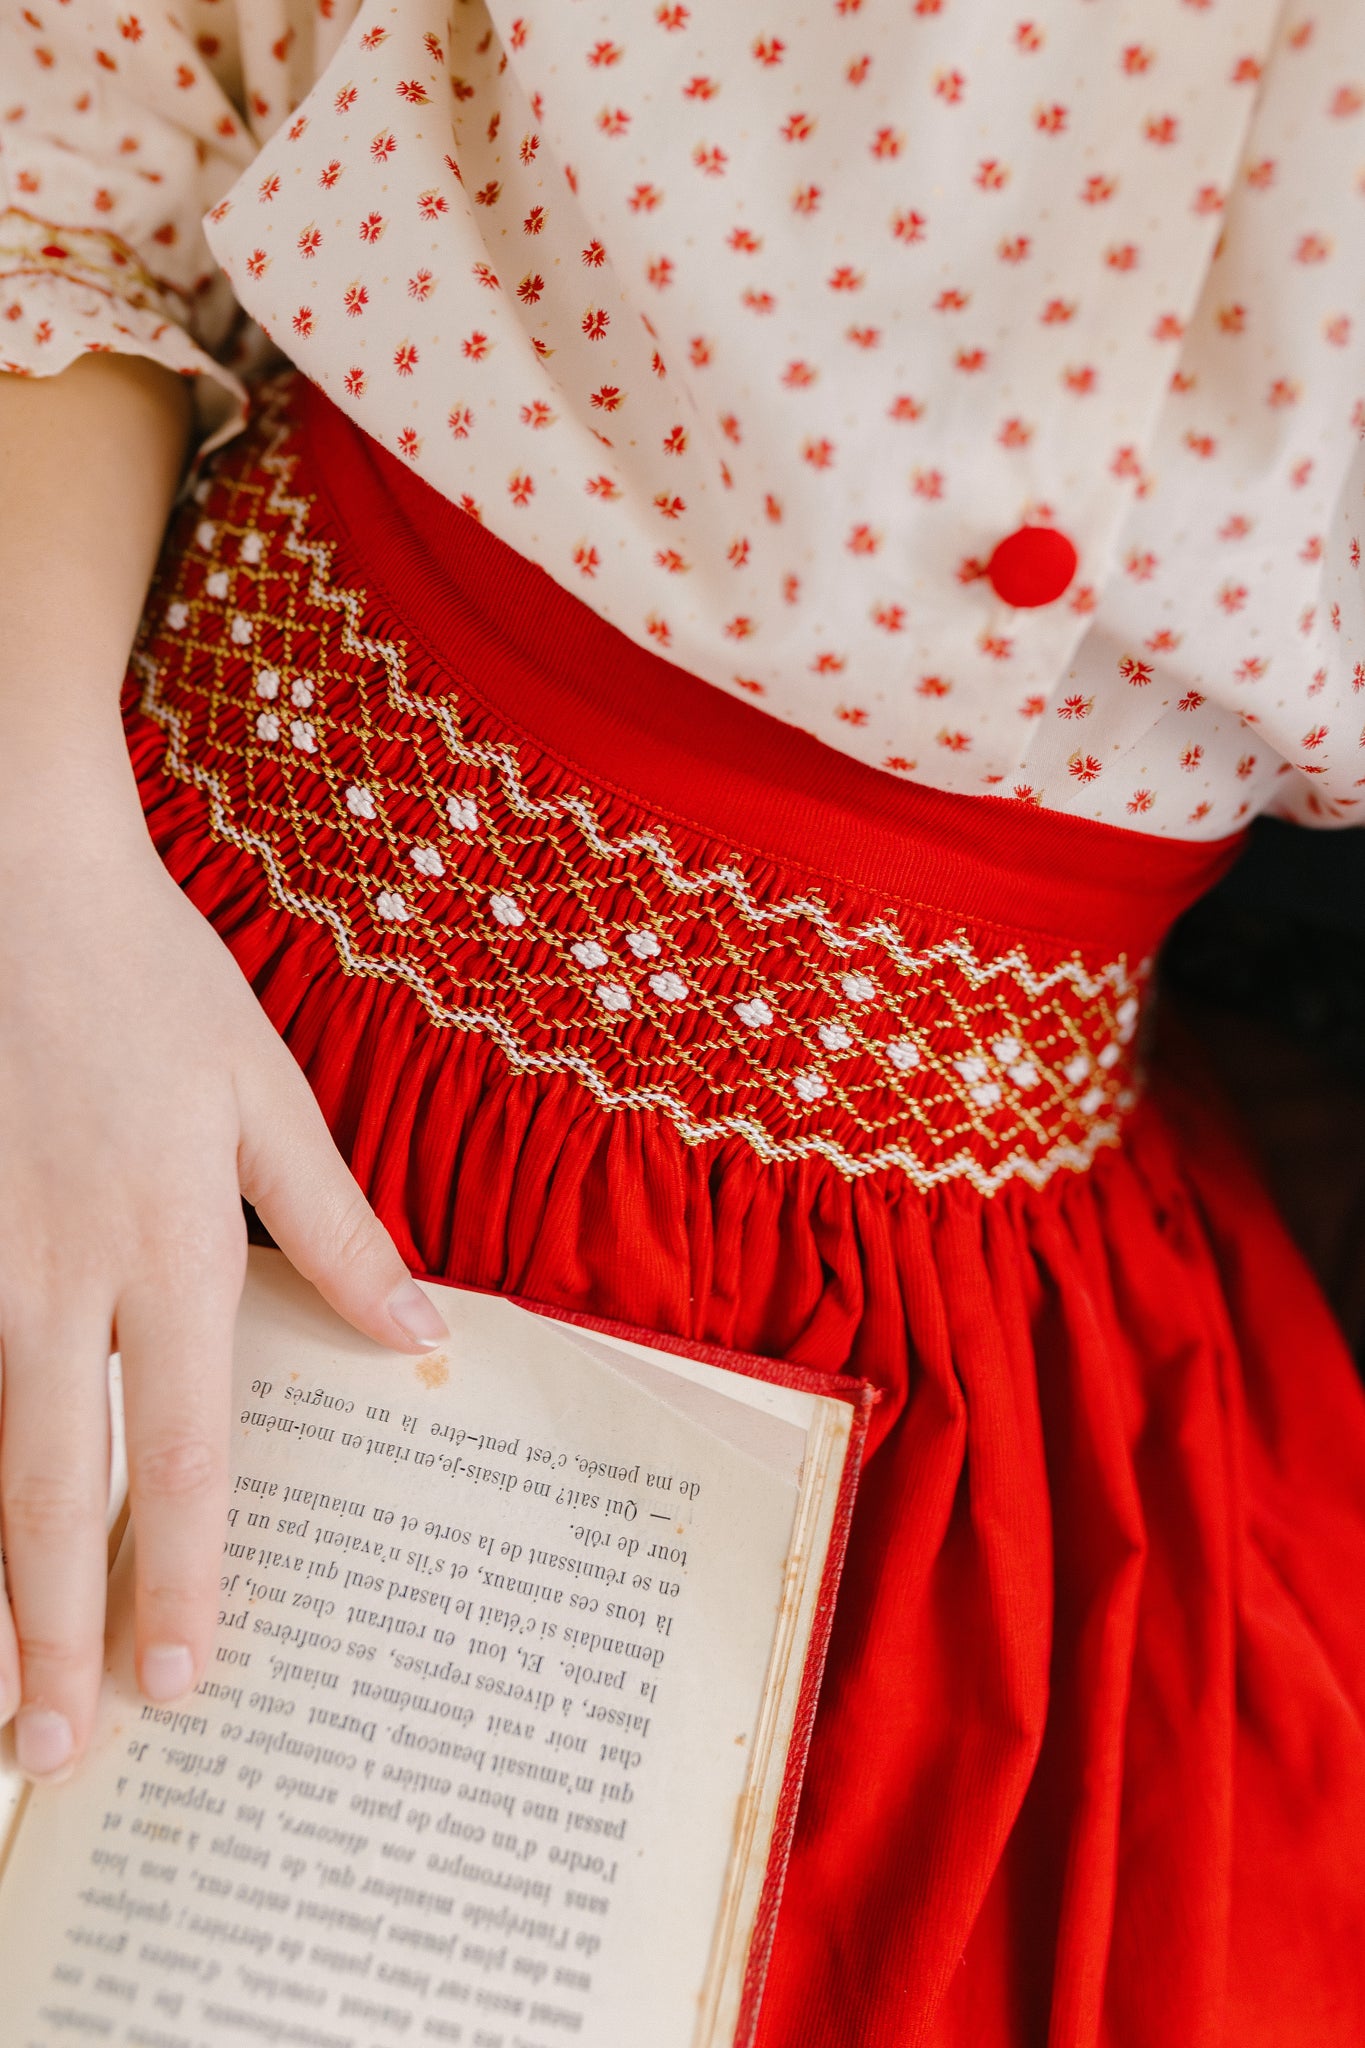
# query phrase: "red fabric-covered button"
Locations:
[[1032, 566]]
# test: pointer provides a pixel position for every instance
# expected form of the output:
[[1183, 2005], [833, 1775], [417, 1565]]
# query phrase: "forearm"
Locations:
[[142, 1092], [91, 459]]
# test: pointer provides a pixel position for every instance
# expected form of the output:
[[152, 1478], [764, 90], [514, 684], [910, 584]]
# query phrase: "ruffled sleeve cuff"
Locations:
[[66, 292]]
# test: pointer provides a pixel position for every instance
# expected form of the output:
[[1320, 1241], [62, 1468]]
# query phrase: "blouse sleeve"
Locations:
[[117, 134]]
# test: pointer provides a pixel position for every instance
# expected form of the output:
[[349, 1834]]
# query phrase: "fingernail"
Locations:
[[43, 1741], [167, 1671], [415, 1315]]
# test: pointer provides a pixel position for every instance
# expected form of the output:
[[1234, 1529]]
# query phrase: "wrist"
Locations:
[[67, 786]]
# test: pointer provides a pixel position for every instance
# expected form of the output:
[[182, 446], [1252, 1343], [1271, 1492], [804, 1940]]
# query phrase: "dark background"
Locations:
[[1268, 972]]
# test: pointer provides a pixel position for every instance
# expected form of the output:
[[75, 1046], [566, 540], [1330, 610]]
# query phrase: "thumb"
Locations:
[[293, 1176]]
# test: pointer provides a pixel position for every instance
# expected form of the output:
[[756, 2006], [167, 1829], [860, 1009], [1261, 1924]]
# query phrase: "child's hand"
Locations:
[[141, 1090]]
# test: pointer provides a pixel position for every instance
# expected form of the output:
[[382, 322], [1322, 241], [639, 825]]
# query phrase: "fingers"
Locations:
[[175, 1338], [294, 1177], [9, 1659], [54, 1465]]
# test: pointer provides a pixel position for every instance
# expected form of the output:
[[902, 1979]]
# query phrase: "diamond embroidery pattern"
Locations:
[[582, 937]]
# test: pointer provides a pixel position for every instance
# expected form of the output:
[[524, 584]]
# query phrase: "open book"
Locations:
[[503, 1732]]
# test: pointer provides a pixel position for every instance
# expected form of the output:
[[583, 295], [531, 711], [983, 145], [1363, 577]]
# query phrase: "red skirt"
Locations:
[[620, 996]]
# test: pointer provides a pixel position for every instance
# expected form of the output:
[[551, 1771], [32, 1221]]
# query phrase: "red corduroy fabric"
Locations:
[[1089, 1765]]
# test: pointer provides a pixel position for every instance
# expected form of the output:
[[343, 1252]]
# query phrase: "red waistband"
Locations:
[[631, 721]]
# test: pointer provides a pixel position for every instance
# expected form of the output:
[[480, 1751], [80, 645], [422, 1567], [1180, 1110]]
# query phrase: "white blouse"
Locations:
[[760, 329]]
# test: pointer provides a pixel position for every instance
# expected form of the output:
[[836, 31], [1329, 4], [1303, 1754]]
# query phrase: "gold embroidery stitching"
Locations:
[[603, 957]]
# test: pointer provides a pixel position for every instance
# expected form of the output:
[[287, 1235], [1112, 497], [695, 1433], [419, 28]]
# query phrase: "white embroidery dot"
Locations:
[[205, 533], [427, 861], [612, 995], [903, 1053], [1024, 1074], [1108, 1056], [669, 988], [360, 801], [1077, 1068], [267, 683], [643, 945], [987, 1095], [241, 629], [176, 615], [588, 953], [973, 1069], [506, 909], [267, 726], [1006, 1050], [250, 550], [1125, 1017], [1091, 1102], [835, 1038], [390, 906], [217, 584], [463, 813], [755, 1013], [810, 1086], [301, 692], [859, 988], [301, 732]]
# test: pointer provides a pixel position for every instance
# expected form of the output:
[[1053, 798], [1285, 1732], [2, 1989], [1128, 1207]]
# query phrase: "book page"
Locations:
[[468, 1764]]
